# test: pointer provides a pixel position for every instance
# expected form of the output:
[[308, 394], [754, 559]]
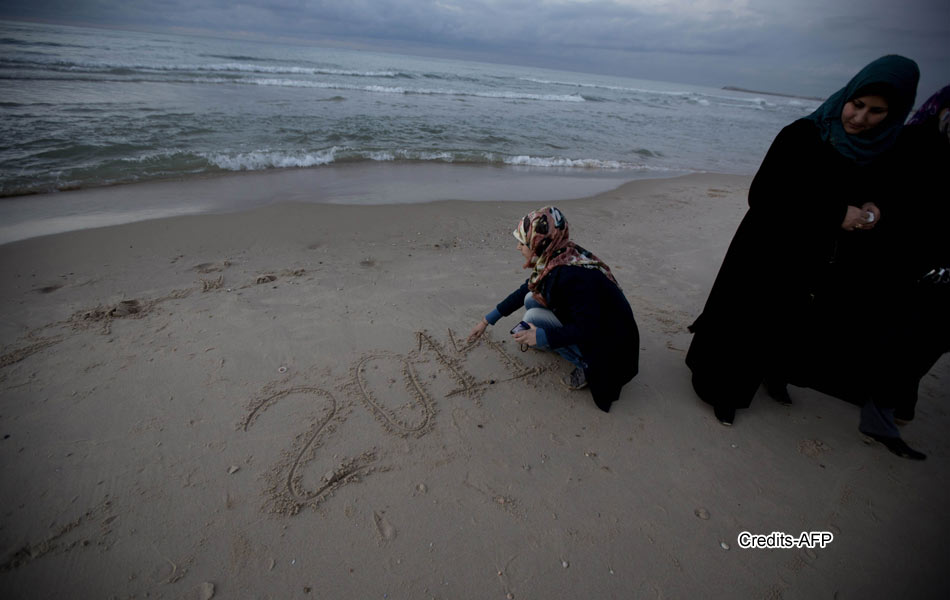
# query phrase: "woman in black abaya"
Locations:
[[818, 188], [916, 291]]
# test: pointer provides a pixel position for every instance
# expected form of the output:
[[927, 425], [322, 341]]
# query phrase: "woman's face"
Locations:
[[863, 114], [525, 251]]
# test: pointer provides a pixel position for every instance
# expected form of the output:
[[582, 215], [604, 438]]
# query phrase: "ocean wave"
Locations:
[[289, 70], [603, 86], [33, 43], [238, 57], [756, 102], [638, 90], [520, 96], [22, 104], [147, 166], [261, 160], [450, 77], [132, 67], [571, 163], [265, 159], [139, 74], [577, 84], [162, 164], [382, 89]]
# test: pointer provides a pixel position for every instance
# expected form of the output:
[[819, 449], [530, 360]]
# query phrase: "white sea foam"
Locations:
[[256, 161], [440, 156], [583, 163], [260, 160], [380, 156]]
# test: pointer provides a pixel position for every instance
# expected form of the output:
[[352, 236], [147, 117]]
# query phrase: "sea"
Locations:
[[86, 107]]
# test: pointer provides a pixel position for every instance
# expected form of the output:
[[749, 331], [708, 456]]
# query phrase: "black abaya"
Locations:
[[778, 268]]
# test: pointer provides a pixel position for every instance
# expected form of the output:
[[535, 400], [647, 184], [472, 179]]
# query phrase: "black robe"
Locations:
[[786, 260], [597, 317], [915, 317]]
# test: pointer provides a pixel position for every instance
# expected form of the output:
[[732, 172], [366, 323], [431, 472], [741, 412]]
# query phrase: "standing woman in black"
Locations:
[[917, 289], [819, 184]]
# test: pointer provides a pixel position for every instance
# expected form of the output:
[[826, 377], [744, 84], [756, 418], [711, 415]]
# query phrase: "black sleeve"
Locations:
[[514, 301]]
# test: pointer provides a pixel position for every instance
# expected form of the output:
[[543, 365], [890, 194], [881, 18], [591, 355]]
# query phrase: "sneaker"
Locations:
[[898, 446], [576, 380]]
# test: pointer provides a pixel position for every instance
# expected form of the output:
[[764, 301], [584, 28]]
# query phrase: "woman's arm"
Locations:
[[513, 302]]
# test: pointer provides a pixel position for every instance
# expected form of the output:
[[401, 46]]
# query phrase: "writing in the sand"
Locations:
[[287, 492]]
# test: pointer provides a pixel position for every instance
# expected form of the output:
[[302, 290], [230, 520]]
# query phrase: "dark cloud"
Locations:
[[803, 46]]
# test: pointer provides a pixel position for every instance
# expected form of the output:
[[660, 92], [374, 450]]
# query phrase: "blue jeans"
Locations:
[[878, 421], [543, 318]]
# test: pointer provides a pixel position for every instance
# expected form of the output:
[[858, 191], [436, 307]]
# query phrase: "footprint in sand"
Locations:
[[812, 448], [211, 267], [48, 289], [384, 528], [211, 284]]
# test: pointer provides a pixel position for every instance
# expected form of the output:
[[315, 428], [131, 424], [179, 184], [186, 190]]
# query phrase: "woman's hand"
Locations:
[[861, 218], [477, 331], [871, 208], [528, 336]]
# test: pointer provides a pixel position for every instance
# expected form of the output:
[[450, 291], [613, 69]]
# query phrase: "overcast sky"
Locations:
[[808, 47]]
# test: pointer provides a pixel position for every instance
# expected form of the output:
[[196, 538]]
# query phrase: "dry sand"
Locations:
[[278, 403]]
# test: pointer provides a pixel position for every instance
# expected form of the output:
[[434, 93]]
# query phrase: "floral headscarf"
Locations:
[[545, 233]]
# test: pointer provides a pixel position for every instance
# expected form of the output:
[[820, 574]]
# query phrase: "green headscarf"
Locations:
[[895, 74]]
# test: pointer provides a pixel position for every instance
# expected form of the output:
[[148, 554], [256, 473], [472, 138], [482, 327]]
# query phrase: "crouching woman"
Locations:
[[574, 307]]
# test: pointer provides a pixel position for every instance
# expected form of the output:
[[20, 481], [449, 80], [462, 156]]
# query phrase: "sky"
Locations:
[[803, 47]]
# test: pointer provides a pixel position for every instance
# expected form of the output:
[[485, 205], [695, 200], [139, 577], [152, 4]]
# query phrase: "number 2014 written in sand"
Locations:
[[287, 492]]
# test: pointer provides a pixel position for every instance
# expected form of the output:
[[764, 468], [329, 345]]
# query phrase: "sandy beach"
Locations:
[[279, 403]]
